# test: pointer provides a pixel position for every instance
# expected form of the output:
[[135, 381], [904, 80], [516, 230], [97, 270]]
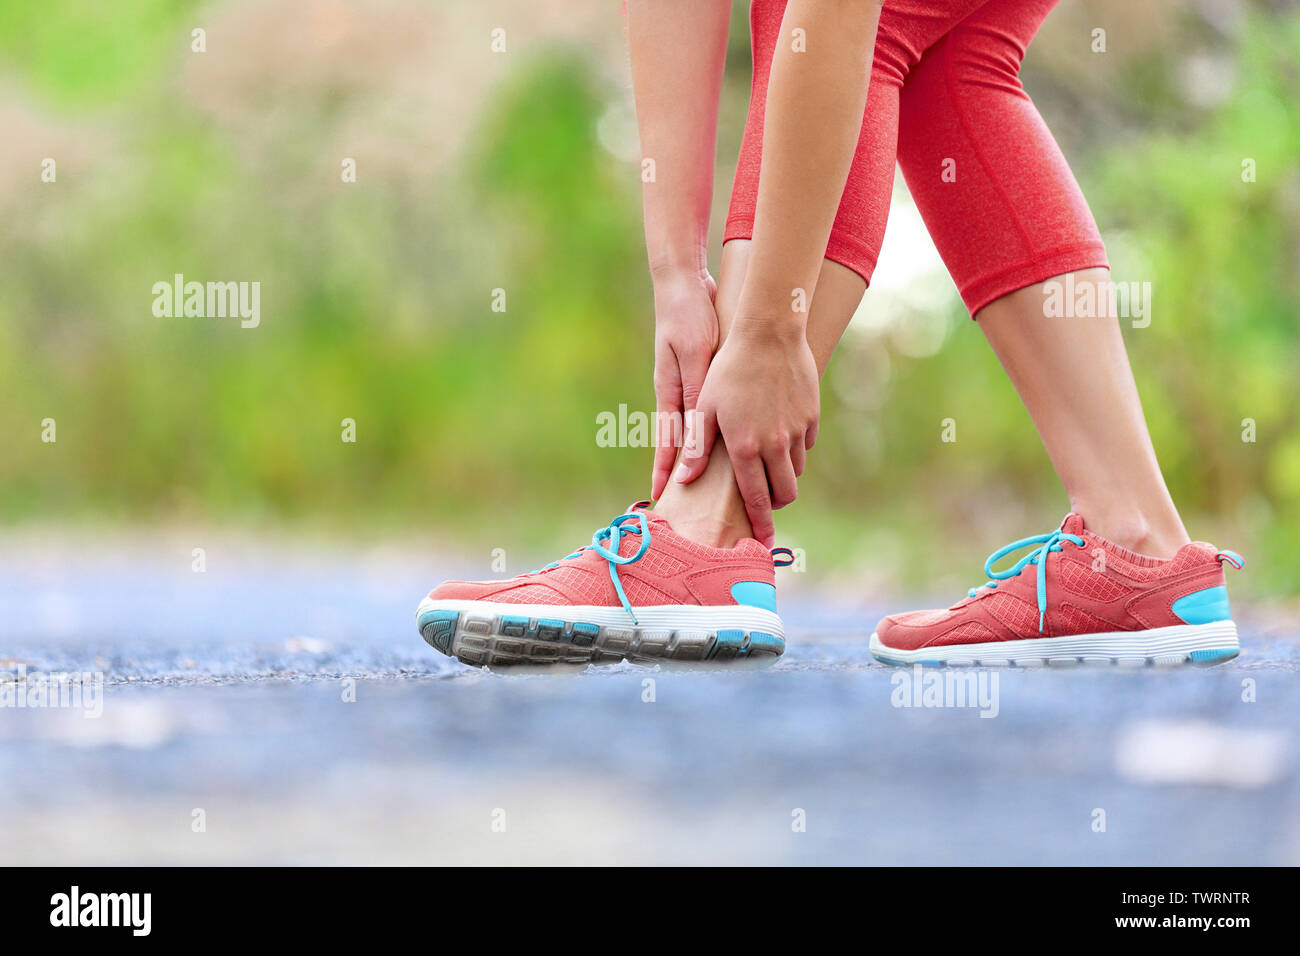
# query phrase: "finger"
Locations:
[[751, 479], [693, 365], [798, 456], [668, 416], [781, 478], [665, 453], [810, 438], [668, 410], [701, 433]]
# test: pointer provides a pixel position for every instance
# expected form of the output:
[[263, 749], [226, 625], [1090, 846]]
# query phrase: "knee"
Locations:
[[895, 55], [984, 53]]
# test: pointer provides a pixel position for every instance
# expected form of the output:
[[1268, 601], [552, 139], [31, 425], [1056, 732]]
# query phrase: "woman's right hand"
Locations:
[[761, 396], [686, 336]]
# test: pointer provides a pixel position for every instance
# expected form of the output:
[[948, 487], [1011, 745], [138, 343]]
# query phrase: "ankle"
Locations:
[[1135, 530], [708, 511], [707, 530]]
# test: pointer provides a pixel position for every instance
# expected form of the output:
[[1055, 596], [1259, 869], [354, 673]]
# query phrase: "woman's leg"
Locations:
[[907, 29], [1074, 377], [709, 510], [1006, 214]]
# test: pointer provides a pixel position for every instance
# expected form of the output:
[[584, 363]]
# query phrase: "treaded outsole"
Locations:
[[504, 640]]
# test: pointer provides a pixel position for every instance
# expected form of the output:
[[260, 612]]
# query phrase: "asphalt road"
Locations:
[[282, 709]]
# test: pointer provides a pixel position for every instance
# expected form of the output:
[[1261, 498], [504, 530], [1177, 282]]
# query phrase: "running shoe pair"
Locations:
[[644, 593]]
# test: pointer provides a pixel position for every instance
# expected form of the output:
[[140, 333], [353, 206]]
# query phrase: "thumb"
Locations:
[[701, 433]]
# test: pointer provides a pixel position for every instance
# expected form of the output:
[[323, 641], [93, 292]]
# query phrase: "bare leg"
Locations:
[[709, 510], [1074, 377]]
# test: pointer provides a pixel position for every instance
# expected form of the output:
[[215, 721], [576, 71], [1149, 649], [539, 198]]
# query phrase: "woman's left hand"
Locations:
[[686, 334]]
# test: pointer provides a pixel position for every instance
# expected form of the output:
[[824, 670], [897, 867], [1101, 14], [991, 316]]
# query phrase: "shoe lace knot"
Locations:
[[612, 534], [605, 542], [1043, 545]]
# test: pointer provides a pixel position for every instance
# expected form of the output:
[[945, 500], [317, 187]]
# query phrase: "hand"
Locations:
[[686, 335], [761, 394]]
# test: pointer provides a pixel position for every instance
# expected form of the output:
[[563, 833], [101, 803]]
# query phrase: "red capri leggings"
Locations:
[[945, 100]]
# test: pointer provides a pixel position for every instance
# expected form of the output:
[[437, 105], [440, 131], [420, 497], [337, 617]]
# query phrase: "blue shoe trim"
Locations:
[[584, 634], [1204, 606], [438, 628], [729, 643], [755, 594], [514, 626], [763, 643], [1214, 655], [549, 629], [437, 615], [890, 660]]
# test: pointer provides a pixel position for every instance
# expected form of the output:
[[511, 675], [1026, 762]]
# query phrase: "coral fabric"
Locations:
[[674, 570], [1097, 588], [945, 101]]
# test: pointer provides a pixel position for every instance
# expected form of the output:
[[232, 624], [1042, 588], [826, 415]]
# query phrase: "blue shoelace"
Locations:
[[605, 543], [1047, 544], [613, 534]]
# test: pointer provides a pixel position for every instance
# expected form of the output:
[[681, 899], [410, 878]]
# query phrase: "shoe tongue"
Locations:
[[1073, 524]]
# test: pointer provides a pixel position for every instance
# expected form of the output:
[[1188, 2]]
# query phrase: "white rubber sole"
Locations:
[[1211, 643], [488, 632]]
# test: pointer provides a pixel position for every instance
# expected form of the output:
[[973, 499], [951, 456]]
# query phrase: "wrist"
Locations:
[[770, 329], [666, 270]]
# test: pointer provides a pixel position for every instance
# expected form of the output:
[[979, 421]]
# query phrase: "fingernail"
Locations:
[[682, 472]]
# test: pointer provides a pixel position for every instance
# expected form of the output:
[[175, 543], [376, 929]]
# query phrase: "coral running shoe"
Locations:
[[1077, 598], [639, 591]]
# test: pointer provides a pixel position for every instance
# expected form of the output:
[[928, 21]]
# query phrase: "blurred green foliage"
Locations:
[[471, 423], [90, 52]]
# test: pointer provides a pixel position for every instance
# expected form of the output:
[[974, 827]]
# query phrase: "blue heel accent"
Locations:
[[1215, 655], [755, 594], [1204, 606]]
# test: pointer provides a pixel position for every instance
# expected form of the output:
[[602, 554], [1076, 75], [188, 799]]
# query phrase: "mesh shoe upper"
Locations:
[[673, 570], [1095, 587]]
